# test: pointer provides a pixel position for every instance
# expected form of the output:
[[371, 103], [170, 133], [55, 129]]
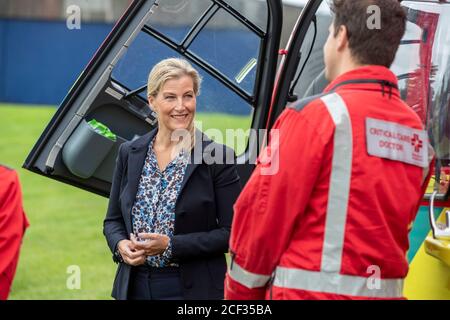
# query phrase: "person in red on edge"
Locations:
[[13, 223], [333, 222]]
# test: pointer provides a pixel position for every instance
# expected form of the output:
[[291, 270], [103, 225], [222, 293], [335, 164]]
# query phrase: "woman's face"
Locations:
[[175, 104]]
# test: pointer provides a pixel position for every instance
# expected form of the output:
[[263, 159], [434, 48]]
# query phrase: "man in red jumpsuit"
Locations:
[[13, 223], [333, 221]]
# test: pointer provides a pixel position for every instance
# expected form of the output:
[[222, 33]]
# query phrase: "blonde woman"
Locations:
[[169, 217]]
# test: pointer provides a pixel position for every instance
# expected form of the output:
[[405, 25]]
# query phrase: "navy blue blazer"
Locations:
[[203, 215]]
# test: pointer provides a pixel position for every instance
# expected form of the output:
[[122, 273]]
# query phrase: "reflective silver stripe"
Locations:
[[339, 184], [246, 278], [337, 284], [329, 279]]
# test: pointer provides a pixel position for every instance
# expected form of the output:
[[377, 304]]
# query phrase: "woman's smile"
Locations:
[[182, 116]]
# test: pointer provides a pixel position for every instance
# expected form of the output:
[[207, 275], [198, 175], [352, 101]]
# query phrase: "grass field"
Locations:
[[66, 223]]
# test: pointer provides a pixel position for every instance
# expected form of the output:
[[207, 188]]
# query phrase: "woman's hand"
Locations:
[[152, 244], [130, 254]]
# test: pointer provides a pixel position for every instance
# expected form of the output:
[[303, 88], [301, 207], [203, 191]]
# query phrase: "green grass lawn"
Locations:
[[66, 223], [217, 123]]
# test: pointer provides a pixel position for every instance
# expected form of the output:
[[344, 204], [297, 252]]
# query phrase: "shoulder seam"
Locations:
[[303, 103]]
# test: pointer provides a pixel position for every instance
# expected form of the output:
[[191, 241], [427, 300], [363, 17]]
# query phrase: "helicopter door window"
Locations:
[[423, 69], [218, 107], [221, 43], [232, 47], [175, 18], [309, 77], [255, 11]]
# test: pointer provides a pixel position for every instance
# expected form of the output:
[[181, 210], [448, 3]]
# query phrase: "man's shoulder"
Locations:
[[414, 118], [7, 174], [305, 102], [309, 114], [310, 110], [7, 171], [5, 168]]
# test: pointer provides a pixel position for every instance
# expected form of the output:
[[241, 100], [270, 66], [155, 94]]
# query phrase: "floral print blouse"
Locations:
[[154, 207]]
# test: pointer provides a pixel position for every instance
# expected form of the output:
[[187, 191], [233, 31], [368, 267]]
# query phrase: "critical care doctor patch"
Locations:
[[393, 141]]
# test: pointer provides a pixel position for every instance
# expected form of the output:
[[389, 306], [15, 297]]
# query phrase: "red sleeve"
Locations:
[[13, 223], [272, 202]]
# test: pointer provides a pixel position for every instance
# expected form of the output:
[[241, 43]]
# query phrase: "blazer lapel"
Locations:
[[201, 141]]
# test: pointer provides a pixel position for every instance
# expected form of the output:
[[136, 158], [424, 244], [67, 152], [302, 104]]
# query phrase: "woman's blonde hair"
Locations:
[[168, 69]]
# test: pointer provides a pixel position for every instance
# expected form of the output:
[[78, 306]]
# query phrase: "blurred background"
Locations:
[[40, 59]]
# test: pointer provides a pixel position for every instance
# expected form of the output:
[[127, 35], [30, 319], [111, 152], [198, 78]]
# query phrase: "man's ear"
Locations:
[[342, 38]]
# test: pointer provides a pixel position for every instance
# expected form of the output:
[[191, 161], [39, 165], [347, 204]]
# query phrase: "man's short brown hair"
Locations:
[[371, 46]]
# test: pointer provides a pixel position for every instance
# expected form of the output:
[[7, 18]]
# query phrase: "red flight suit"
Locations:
[[13, 223], [327, 212]]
